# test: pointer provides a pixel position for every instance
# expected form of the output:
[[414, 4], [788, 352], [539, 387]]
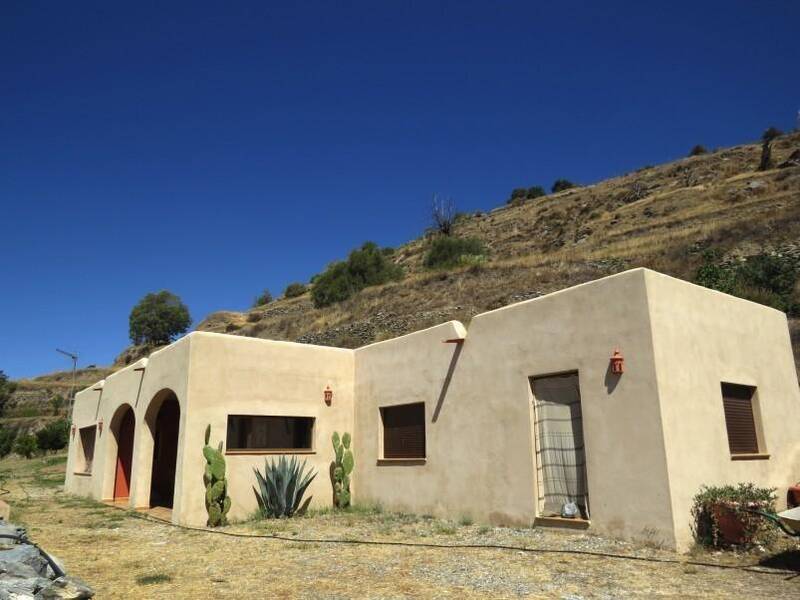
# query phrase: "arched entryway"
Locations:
[[123, 426], [165, 427]]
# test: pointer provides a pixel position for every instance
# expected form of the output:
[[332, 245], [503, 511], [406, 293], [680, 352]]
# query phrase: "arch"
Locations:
[[163, 421], [123, 427]]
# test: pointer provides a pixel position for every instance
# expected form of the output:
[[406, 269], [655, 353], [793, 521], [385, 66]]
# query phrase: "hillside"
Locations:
[[663, 217]]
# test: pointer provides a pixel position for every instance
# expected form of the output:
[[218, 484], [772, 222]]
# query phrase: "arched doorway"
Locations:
[[124, 433], [165, 452]]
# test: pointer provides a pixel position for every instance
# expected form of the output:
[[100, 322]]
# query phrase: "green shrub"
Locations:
[[705, 526], [764, 278], [158, 318], [263, 298], [293, 290], [535, 192], [364, 267], [26, 445], [53, 436], [770, 134], [698, 150], [56, 403], [449, 252], [519, 195], [562, 184], [7, 388], [7, 437], [281, 488]]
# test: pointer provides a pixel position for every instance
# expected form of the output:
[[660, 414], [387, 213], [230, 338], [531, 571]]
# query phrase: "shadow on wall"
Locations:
[[446, 385], [611, 379]]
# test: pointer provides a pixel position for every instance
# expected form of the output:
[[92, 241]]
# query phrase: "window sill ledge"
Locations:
[[759, 456], [562, 522], [82, 473], [260, 452], [401, 461]]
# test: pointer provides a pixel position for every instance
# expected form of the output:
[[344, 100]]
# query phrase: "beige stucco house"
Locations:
[[510, 422]]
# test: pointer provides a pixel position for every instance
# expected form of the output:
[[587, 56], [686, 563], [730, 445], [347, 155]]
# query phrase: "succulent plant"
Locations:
[[218, 503], [282, 486], [342, 469]]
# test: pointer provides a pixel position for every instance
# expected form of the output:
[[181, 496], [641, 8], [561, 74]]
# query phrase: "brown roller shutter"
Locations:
[[404, 431], [738, 403]]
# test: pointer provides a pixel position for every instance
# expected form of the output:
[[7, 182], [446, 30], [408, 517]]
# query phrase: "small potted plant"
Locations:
[[722, 517]]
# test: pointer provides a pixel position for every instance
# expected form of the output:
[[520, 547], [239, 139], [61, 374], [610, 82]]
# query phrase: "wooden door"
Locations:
[[122, 480]]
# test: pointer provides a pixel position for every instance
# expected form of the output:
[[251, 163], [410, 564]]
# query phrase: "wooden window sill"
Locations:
[[82, 473], [258, 452], [401, 461], [757, 456], [561, 522]]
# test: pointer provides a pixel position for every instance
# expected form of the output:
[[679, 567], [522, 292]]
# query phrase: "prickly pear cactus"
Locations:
[[218, 503], [343, 468]]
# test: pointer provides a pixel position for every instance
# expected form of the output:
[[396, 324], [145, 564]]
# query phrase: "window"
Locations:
[[269, 433], [404, 431], [85, 449], [740, 418]]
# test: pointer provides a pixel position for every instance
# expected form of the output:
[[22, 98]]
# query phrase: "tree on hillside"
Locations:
[[7, 387], [53, 436], [443, 215], [293, 290], [7, 437], [264, 298], [698, 150], [562, 184], [766, 148], [158, 318], [56, 403], [26, 445]]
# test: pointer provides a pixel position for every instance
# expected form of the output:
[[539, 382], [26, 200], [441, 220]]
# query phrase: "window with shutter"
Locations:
[[740, 421], [404, 431]]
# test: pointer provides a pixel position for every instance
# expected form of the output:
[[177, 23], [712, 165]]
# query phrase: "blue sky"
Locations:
[[216, 149]]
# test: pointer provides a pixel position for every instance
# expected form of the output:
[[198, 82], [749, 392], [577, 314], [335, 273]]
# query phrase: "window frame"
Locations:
[[755, 412], [255, 451], [84, 464], [411, 460]]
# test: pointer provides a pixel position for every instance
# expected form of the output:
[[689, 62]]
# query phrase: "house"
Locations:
[[504, 423]]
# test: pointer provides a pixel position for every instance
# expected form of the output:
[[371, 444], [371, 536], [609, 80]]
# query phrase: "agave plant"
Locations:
[[281, 487]]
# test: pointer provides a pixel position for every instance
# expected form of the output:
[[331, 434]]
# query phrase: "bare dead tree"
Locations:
[[443, 214]]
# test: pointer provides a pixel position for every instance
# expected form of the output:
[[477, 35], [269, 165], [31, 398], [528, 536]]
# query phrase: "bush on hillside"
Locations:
[[7, 437], [158, 318], [443, 215], [26, 445], [698, 150], [562, 184], [262, 299], [770, 134], [536, 191], [7, 387], [293, 290], [764, 278], [53, 436], [520, 195], [446, 253], [367, 266]]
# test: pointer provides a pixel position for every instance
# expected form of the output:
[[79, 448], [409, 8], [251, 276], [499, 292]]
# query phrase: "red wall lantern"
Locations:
[[617, 362], [328, 394]]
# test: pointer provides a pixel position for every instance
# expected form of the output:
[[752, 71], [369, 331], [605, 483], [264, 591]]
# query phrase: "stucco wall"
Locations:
[[480, 458], [237, 375], [166, 369], [703, 338]]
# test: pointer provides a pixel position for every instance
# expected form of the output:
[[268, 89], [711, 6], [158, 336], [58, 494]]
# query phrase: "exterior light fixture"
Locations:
[[617, 362], [73, 431], [328, 395], [100, 426]]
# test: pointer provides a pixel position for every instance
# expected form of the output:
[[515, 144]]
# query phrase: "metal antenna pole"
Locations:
[[74, 358]]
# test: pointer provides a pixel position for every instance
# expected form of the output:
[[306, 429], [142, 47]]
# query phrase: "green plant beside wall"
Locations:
[[281, 488], [342, 469], [720, 515], [218, 503]]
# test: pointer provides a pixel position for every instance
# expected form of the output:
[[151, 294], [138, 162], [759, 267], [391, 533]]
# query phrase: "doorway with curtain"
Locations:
[[559, 445]]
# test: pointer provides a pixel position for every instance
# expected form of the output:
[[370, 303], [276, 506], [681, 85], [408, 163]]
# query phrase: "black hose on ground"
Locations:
[[23, 539], [654, 559]]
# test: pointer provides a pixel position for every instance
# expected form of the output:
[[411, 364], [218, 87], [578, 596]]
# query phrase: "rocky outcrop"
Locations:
[[25, 572]]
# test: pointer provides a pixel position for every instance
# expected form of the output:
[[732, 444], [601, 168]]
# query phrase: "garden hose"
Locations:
[[653, 559], [22, 538]]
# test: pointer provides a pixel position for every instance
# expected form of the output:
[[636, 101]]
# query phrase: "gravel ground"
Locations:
[[124, 556]]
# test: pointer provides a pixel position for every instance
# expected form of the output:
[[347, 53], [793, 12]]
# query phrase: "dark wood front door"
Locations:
[[122, 480]]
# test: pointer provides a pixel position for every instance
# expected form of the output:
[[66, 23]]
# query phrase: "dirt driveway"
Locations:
[[124, 556]]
